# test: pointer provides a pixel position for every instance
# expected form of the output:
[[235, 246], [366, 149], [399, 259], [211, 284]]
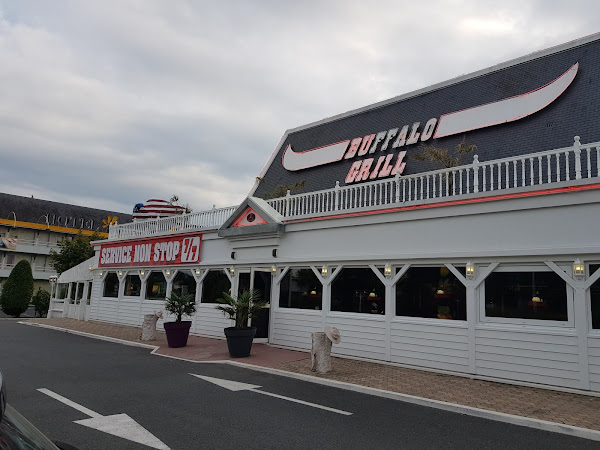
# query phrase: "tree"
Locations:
[[72, 252], [17, 290], [442, 157], [41, 302], [281, 190]]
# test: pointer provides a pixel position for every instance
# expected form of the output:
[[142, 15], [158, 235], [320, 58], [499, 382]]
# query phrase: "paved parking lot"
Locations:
[[99, 395], [548, 405]]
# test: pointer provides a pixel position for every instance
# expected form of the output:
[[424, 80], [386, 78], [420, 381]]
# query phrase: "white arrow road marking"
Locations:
[[237, 386], [120, 425]]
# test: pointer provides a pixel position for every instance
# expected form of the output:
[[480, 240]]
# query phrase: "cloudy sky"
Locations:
[[109, 103]]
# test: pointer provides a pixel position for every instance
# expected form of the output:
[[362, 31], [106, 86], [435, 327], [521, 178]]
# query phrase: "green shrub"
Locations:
[[17, 290], [41, 302]]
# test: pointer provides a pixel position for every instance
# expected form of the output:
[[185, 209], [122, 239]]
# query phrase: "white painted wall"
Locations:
[[293, 327], [544, 355], [432, 343], [594, 361]]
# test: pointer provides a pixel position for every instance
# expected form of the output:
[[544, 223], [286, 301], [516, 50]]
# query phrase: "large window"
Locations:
[[595, 297], [526, 295], [431, 292], [79, 294], [156, 286], [111, 285], [184, 283], [213, 286], [133, 286], [63, 289], [300, 288], [358, 290]]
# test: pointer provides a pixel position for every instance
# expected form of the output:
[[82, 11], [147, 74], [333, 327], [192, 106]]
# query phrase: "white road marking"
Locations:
[[237, 386], [120, 425], [72, 404]]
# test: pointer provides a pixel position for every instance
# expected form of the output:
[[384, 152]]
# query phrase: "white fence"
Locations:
[[518, 172], [211, 219], [544, 168]]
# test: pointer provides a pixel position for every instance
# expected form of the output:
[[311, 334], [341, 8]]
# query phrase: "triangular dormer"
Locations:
[[253, 216]]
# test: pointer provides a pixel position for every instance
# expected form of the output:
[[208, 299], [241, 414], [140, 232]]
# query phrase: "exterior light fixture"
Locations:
[[470, 270], [387, 270], [120, 273], [324, 271], [197, 271], [100, 273], [168, 272], [578, 268], [232, 271], [273, 269], [53, 279], [142, 272], [90, 268]]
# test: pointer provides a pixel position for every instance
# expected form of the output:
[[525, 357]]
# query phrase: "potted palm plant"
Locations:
[[240, 309], [178, 331]]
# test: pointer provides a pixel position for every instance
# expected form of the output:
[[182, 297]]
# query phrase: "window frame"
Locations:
[[594, 332], [334, 312], [104, 286], [291, 308], [200, 302], [396, 316], [480, 297], [132, 274], [147, 284]]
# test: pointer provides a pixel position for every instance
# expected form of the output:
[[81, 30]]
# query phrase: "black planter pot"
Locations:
[[239, 342], [177, 333]]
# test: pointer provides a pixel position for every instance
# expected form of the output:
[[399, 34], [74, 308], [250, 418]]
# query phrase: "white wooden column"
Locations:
[[581, 319], [471, 285]]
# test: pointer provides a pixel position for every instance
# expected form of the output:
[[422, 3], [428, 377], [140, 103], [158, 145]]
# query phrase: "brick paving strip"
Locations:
[[560, 407]]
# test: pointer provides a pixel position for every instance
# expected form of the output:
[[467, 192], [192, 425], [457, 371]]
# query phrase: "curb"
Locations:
[[544, 425]]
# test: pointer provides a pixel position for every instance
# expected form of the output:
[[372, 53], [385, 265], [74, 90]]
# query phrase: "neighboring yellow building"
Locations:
[[30, 228]]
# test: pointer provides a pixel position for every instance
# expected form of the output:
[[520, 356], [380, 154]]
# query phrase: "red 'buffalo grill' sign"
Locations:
[[168, 251]]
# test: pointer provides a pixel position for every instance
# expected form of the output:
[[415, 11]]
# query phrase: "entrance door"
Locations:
[[259, 279]]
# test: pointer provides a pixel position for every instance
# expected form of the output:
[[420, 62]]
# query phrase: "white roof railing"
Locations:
[[546, 169]]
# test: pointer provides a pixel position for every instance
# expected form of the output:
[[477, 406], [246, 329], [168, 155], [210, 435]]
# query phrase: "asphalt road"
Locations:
[[185, 412]]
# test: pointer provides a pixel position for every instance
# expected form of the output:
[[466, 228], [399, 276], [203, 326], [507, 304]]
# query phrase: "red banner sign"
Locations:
[[168, 251]]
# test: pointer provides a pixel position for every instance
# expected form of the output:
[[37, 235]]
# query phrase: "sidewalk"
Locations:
[[559, 407]]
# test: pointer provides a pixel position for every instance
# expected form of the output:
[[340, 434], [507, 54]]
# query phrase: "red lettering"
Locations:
[[376, 170], [353, 172], [387, 167], [364, 170], [401, 139], [399, 167], [414, 136], [353, 147], [366, 143]]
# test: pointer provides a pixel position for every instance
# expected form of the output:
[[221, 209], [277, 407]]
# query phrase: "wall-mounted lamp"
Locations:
[[142, 272], [578, 268], [324, 271], [90, 268], [470, 270], [120, 273], [387, 270], [273, 269], [100, 273], [197, 271], [232, 271], [168, 272], [53, 279]]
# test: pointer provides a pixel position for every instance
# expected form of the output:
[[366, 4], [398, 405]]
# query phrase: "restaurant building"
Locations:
[[486, 264]]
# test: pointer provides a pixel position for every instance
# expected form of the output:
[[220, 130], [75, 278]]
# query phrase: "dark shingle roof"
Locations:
[[29, 209]]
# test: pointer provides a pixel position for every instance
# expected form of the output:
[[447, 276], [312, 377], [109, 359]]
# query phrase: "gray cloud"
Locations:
[[110, 103]]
